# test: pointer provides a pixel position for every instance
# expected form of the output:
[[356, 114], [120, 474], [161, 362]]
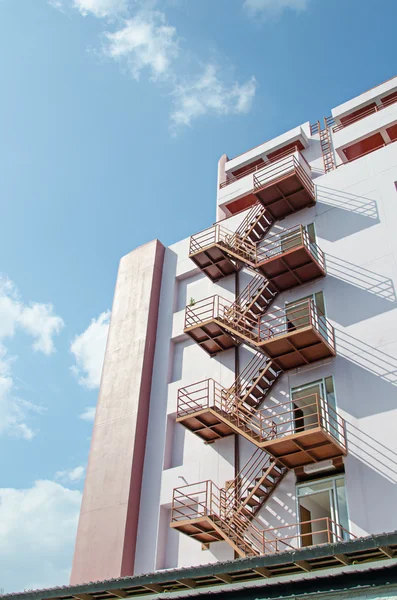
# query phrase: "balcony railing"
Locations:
[[304, 533], [269, 424], [354, 118], [277, 244], [293, 318], [217, 234], [265, 327], [214, 307], [275, 167], [204, 500]]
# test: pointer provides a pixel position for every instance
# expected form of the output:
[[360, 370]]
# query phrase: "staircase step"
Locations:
[[259, 491]]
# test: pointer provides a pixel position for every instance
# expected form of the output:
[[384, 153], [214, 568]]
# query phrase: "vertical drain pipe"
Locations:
[[236, 374]]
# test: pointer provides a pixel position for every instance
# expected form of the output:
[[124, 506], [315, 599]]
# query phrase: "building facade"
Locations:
[[248, 402]]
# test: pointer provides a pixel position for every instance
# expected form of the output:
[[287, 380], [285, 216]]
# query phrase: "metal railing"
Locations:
[[209, 394], [206, 500], [371, 110], [217, 234], [291, 319], [238, 492], [268, 424], [265, 327], [304, 533], [282, 168], [230, 178], [290, 239], [213, 307]]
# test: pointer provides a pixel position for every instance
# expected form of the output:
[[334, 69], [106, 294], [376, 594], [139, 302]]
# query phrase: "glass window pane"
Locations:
[[319, 301], [342, 505], [311, 231], [313, 487]]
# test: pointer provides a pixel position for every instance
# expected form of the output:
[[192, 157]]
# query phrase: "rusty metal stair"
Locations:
[[254, 300], [253, 486], [254, 383], [256, 224]]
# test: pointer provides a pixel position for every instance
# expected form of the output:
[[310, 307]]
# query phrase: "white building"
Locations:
[[262, 415]]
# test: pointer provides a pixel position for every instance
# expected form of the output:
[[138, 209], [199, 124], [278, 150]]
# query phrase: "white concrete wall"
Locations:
[[355, 218]]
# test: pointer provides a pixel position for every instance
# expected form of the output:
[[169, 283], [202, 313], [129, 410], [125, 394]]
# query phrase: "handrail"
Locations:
[[230, 178], [266, 424], [205, 499], [285, 241], [264, 327], [373, 109]]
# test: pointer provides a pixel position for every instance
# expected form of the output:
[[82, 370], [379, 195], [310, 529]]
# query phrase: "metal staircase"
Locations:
[[253, 486], [256, 224], [295, 336], [254, 383]]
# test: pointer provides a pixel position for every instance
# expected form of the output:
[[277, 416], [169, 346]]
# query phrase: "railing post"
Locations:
[[328, 530]]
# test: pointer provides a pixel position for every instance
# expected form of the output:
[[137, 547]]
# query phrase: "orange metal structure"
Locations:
[[286, 435]]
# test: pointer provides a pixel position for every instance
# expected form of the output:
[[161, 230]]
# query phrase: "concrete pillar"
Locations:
[[106, 536]]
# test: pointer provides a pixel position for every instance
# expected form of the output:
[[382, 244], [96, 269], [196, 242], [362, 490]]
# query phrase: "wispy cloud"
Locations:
[[88, 414], [208, 93], [38, 321], [71, 475], [140, 38], [274, 7], [144, 42], [101, 8], [88, 349]]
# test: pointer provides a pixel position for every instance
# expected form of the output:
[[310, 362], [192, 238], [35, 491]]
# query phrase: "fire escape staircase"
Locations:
[[208, 513], [219, 252]]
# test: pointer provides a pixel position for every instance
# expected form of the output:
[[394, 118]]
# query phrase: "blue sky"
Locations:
[[114, 114]]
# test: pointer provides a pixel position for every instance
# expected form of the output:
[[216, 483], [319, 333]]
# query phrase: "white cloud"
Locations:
[[101, 8], [38, 321], [88, 349], [208, 93], [274, 7], [58, 4], [145, 42], [88, 414], [37, 535], [42, 324], [70, 475]]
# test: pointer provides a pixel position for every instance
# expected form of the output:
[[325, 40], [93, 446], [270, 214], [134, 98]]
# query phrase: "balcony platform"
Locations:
[[215, 262], [285, 186], [201, 529], [297, 348], [290, 259], [304, 447], [206, 424], [212, 336]]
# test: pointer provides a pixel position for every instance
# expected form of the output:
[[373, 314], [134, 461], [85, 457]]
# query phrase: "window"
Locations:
[[322, 511], [297, 313], [306, 399]]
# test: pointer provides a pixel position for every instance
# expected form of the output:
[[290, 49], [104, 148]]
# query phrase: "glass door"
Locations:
[[302, 313], [305, 405], [322, 511], [308, 399]]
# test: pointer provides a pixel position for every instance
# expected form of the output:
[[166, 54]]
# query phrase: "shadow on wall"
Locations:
[[372, 453], [168, 544], [369, 293], [371, 498], [369, 358], [359, 212]]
